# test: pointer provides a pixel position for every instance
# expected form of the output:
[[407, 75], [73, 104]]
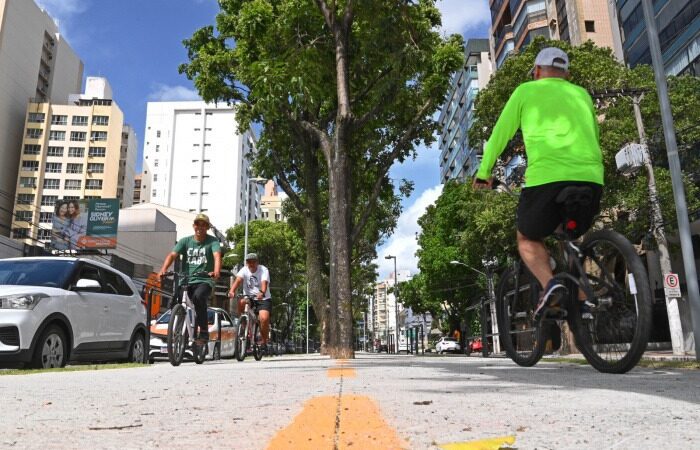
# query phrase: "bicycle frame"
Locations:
[[190, 316]]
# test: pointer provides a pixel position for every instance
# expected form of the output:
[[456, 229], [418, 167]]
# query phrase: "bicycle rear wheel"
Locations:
[[257, 344], [177, 335], [522, 338], [613, 335], [241, 339]]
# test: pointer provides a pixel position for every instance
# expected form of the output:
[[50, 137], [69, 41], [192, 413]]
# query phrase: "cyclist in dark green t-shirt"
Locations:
[[201, 253], [560, 130]]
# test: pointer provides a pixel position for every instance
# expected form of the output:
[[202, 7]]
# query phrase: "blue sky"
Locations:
[[137, 46]]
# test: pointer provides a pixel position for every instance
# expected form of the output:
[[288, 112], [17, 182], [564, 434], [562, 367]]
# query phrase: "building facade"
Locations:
[[69, 151], [678, 22], [195, 160], [137, 190], [127, 167], [271, 203], [515, 23], [35, 63], [458, 158], [384, 308]]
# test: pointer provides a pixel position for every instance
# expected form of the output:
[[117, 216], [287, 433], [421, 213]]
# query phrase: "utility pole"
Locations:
[[691, 275]]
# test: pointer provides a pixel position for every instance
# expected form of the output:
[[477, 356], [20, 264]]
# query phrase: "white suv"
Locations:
[[447, 344], [54, 310]]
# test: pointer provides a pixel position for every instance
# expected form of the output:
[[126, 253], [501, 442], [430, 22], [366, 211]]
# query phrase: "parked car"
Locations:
[[447, 344], [59, 309], [218, 348], [473, 346]]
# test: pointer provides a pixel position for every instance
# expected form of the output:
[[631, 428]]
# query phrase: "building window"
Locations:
[[45, 217], [59, 120], [97, 151], [90, 197], [30, 166], [48, 200], [25, 199], [32, 149], [100, 120], [44, 234], [590, 26], [93, 184], [23, 216], [54, 167], [153, 193], [76, 152], [27, 182], [96, 167], [158, 133], [157, 148], [155, 163], [52, 183], [36, 118], [155, 177], [34, 133], [78, 136], [57, 135], [98, 136], [80, 121], [20, 233], [73, 185], [55, 151], [74, 168], [71, 197]]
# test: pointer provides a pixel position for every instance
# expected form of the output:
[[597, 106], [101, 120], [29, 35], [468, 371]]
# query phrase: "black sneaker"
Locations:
[[551, 296], [585, 309]]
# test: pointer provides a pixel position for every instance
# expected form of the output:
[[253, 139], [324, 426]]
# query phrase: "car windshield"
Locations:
[[44, 273], [450, 340]]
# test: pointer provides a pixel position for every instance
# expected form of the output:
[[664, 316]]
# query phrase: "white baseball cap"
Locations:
[[552, 57]]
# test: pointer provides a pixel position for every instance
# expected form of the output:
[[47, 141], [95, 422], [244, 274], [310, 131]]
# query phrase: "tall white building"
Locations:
[[195, 160], [35, 63], [127, 167]]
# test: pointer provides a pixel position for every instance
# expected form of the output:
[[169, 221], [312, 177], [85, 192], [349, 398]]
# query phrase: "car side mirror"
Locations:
[[86, 285]]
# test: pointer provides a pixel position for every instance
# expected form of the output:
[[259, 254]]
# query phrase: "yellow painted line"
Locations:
[[361, 427], [337, 372], [482, 444]]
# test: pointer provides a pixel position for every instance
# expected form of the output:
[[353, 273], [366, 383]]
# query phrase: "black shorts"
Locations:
[[539, 214], [264, 305]]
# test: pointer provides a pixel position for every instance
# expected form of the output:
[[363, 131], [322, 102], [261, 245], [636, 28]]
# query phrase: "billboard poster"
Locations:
[[85, 224]]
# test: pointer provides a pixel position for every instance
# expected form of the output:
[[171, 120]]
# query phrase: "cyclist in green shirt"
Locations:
[[201, 253], [560, 130]]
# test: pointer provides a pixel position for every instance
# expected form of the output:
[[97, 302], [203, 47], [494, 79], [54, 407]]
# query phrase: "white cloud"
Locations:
[[64, 11], [402, 243], [165, 93], [459, 16]]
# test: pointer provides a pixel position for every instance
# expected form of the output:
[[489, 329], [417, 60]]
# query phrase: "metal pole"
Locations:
[[691, 275], [307, 318], [657, 226], [484, 342], [247, 213], [396, 306], [494, 320]]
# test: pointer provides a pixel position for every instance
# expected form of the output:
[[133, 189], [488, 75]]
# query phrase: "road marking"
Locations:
[[482, 444], [338, 422]]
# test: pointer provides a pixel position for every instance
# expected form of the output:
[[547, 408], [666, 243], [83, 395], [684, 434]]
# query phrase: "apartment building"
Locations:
[[195, 160], [137, 190], [35, 62], [384, 308], [678, 22], [271, 203], [458, 158], [127, 167], [514, 23], [69, 151]]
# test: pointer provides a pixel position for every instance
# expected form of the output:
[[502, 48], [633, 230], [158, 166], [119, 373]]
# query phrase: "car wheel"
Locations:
[[51, 349], [137, 348], [216, 354]]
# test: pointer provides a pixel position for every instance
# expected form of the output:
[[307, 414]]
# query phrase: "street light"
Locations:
[[396, 304], [256, 180], [492, 307]]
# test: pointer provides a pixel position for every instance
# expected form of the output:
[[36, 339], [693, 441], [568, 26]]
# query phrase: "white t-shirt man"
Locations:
[[251, 281]]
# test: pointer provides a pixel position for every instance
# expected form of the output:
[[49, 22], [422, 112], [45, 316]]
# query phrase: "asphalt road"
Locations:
[[426, 401]]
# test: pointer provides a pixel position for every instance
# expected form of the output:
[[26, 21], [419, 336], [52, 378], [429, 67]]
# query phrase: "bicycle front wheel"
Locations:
[[522, 338], [177, 335], [612, 329], [241, 339]]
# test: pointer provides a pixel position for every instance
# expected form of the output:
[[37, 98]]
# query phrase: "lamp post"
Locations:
[[256, 180], [396, 303], [492, 308]]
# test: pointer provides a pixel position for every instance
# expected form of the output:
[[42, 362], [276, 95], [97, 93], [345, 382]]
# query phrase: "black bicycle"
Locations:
[[249, 336], [608, 303], [183, 321]]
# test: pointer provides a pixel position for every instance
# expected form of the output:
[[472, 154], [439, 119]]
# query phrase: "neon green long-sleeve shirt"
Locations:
[[560, 130]]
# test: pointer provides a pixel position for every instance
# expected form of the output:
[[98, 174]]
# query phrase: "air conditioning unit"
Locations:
[[630, 158]]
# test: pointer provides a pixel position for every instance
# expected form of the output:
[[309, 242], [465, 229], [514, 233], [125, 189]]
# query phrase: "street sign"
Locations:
[[672, 286]]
